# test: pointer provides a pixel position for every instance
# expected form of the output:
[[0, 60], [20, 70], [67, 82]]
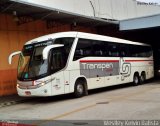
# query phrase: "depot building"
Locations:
[[23, 20]]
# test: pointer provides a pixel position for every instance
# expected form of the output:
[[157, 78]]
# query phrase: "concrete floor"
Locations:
[[112, 103]]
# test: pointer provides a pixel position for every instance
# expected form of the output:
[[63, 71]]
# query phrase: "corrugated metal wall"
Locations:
[[12, 38]]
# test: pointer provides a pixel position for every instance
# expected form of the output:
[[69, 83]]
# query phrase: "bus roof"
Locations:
[[84, 36]]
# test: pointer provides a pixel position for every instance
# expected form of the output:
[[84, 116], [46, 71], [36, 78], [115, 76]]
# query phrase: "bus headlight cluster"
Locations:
[[42, 84], [17, 85]]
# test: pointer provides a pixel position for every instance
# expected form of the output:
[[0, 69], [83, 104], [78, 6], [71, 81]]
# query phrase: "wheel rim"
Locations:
[[80, 89], [136, 80], [142, 78]]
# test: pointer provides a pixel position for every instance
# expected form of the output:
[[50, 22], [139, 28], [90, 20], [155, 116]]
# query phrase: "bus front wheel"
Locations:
[[79, 89]]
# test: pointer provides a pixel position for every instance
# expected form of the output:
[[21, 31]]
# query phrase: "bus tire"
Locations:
[[142, 77], [79, 89], [136, 79]]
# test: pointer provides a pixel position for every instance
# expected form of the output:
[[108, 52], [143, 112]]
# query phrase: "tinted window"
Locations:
[[146, 51], [58, 59], [114, 49], [140, 51], [83, 49], [98, 48], [109, 49], [67, 42], [124, 50]]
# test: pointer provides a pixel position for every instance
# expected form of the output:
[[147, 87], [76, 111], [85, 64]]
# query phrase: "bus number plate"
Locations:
[[27, 92]]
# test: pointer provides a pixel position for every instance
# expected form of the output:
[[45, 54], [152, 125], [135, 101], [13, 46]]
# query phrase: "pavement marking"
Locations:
[[74, 111], [66, 114]]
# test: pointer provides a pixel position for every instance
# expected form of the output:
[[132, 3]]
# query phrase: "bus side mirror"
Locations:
[[48, 48], [11, 56]]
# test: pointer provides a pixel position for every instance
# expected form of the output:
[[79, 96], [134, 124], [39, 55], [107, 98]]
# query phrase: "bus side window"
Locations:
[[79, 52], [58, 59], [83, 49], [113, 50], [98, 48], [135, 50], [106, 51], [124, 52]]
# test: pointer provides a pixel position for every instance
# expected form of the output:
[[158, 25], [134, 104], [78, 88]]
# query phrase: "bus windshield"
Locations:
[[31, 64]]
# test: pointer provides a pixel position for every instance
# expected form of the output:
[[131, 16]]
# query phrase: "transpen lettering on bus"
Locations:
[[75, 62], [102, 69], [101, 66]]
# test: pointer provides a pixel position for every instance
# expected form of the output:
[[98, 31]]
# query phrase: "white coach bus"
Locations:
[[75, 62]]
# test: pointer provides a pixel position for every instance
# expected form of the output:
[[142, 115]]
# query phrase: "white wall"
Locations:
[[112, 9]]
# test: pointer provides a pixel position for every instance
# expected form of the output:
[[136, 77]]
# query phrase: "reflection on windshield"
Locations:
[[30, 67], [31, 64]]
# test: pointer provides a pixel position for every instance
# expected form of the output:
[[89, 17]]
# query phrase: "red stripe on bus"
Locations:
[[138, 60], [98, 61]]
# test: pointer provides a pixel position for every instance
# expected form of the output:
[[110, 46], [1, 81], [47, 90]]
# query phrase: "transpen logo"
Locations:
[[102, 66]]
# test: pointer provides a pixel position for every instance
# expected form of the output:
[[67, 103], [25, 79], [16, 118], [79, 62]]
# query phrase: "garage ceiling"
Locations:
[[35, 12]]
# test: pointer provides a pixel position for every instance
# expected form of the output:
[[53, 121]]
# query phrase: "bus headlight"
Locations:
[[41, 84], [17, 85]]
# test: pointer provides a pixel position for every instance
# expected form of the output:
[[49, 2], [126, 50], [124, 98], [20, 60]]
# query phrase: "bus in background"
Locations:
[[75, 62]]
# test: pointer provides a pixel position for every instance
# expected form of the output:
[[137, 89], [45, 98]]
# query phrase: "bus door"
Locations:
[[57, 72]]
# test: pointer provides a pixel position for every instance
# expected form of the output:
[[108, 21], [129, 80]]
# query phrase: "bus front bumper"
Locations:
[[40, 91]]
